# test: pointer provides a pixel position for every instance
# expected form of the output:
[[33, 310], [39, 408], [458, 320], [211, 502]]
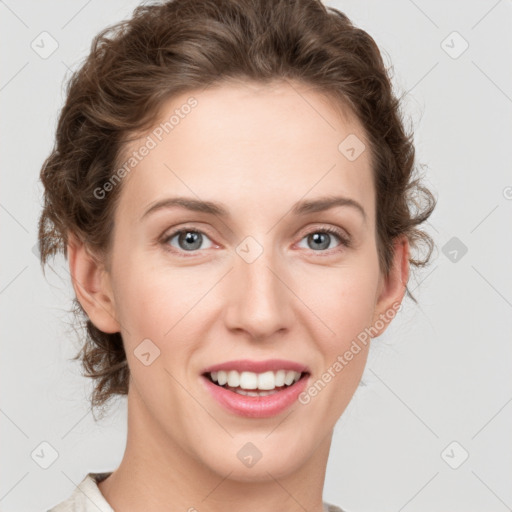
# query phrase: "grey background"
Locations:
[[440, 373]]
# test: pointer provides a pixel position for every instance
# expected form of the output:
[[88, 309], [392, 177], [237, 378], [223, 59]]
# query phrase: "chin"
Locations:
[[251, 458]]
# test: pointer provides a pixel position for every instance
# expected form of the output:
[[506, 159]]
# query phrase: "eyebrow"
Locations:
[[300, 208]]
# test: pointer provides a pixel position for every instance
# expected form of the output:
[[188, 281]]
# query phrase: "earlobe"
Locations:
[[92, 286], [392, 287]]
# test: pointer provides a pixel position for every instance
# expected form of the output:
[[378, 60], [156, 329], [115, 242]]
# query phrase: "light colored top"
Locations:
[[87, 497]]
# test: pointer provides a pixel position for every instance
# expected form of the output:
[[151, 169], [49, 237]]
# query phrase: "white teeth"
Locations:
[[233, 379], [266, 381], [255, 393], [290, 377], [248, 380], [279, 379]]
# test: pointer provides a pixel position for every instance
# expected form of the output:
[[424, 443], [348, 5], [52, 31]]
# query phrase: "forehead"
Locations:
[[263, 142]]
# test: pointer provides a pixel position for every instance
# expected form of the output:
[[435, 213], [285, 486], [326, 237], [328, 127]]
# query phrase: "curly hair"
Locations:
[[169, 48]]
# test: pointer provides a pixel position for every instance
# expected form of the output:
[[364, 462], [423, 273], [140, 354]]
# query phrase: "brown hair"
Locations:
[[169, 48]]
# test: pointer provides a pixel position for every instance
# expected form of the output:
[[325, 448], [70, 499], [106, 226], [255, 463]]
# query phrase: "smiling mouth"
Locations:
[[252, 390]]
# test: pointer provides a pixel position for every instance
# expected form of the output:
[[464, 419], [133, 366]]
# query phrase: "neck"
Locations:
[[157, 471]]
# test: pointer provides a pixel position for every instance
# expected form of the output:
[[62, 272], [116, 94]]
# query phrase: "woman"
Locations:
[[231, 184]]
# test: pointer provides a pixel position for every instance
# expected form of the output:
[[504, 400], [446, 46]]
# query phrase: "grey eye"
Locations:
[[188, 239], [320, 240]]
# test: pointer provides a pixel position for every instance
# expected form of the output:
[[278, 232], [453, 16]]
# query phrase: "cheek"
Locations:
[[345, 306], [160, 303], [343, 300]]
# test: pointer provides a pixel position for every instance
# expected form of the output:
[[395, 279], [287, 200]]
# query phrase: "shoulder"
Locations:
[[86, 497], [329, 507]]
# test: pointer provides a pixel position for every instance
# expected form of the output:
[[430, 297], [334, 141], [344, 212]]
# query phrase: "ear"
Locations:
[[91, 283], [392, 288]]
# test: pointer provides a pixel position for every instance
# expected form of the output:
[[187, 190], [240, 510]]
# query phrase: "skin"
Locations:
[[257, 149]]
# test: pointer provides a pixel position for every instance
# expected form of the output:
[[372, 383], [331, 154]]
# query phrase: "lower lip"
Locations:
[[256, 406]]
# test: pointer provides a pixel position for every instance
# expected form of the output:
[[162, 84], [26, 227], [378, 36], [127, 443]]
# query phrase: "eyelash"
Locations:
[[345, 241]]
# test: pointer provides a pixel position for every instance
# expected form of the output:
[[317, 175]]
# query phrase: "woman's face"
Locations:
[[264, 280]]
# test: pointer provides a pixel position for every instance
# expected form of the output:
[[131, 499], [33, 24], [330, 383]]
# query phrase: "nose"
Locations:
[[260, 298]]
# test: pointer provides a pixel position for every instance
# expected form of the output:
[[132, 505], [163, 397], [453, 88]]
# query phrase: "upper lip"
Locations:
[[248, 365]]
